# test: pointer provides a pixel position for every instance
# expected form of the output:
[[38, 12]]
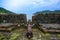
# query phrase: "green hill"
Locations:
[[47, 12], [4, 11]]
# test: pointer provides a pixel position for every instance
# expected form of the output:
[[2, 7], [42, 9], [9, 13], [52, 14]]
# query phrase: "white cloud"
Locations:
[[45, 2]]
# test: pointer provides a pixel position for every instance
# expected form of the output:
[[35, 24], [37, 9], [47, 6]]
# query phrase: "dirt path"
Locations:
[[36, 34]]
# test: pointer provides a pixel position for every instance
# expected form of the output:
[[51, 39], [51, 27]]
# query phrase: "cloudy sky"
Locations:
[[30, 6]]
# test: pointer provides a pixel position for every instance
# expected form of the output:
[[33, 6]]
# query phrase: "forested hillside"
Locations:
[[4, 11]]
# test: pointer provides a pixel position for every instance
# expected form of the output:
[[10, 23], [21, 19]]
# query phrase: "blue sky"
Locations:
[[30, 6]]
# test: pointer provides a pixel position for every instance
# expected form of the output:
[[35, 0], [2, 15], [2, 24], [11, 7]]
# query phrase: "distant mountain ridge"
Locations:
[[48, 11], [5, 11]]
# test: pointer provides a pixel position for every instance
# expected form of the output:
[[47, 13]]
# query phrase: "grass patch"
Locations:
[[14, 36]]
